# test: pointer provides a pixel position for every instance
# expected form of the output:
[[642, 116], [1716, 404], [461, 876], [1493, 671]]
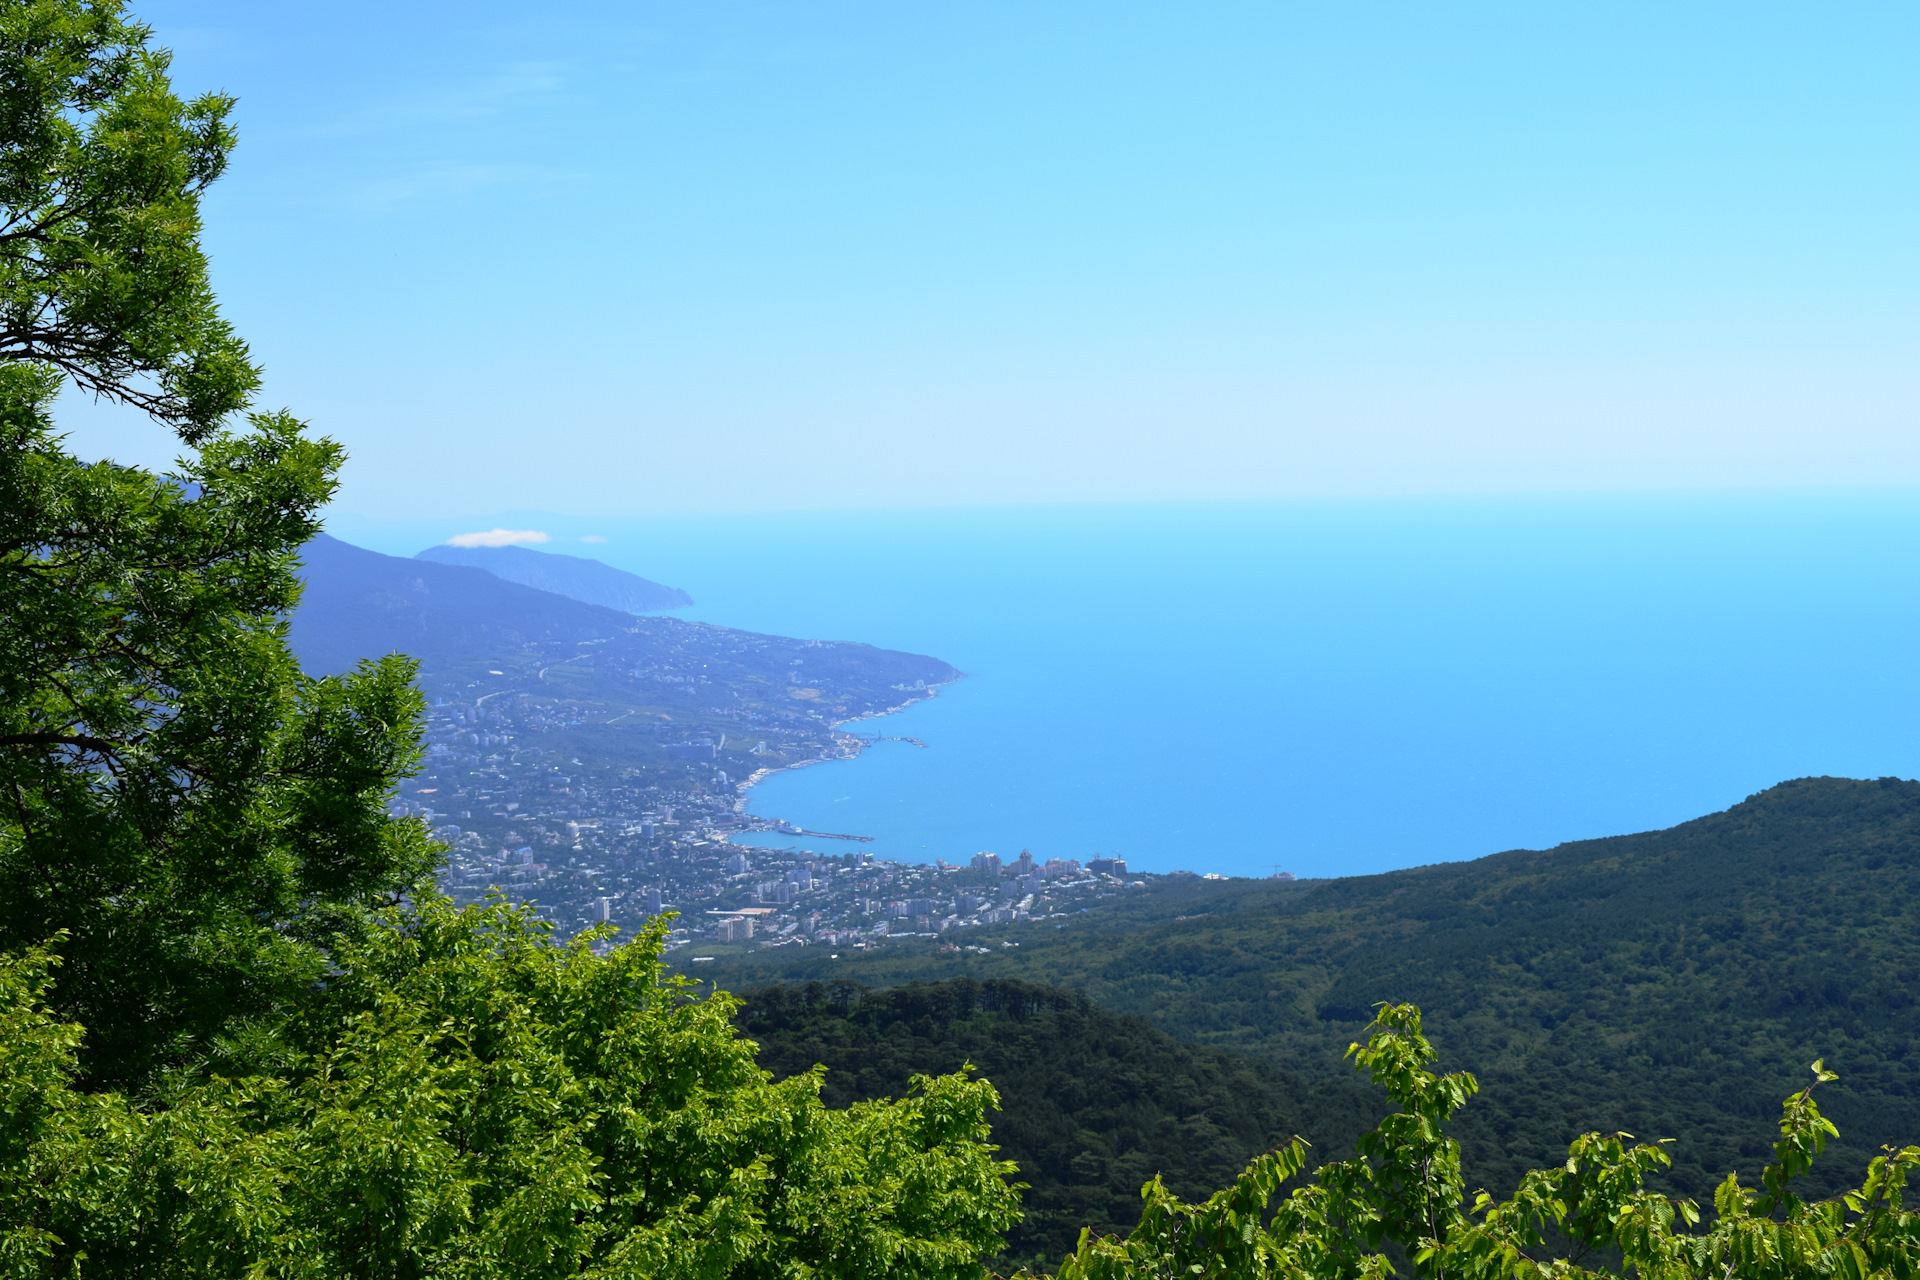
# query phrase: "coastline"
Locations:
[[852, 744]]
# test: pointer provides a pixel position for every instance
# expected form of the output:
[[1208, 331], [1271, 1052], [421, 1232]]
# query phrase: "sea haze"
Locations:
[[1330, 687]]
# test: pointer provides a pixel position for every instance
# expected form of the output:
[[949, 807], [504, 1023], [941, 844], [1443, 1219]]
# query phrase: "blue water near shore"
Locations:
[[1329, 687]]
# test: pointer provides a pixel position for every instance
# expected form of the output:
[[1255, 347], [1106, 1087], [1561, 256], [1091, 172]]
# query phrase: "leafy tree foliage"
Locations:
[[1092, 1103], [1403, 1195], [480, 1102], [102, 279], [194, 815]]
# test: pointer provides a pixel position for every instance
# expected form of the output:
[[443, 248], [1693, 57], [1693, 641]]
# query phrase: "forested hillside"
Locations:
[[1670, 984], [1093, 1104]]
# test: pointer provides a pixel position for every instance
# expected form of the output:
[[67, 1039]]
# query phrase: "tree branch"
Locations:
[[104, 746]]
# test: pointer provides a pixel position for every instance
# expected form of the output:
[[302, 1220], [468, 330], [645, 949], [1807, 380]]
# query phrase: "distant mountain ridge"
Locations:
[[362, 604], [575, 577], [643, 712]]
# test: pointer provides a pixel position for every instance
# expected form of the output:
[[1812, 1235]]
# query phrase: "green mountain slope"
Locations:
[[1093, 1104], [1671, 984]]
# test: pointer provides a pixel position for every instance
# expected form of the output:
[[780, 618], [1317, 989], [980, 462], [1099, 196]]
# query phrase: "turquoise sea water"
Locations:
[[1330, 687]]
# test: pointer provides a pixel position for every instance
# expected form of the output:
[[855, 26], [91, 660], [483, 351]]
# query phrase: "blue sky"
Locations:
[[639, 258]]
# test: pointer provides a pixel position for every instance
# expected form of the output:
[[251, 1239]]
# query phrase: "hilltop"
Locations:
[[1671, 984]]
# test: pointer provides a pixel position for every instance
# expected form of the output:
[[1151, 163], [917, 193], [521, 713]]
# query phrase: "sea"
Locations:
[[1318, 688]]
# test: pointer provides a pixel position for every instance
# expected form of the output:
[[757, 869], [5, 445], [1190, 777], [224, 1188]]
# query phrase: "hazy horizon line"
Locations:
[[1434, 497]]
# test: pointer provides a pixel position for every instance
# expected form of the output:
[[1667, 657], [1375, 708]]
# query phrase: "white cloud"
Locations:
[[592, 537], [498, 538]]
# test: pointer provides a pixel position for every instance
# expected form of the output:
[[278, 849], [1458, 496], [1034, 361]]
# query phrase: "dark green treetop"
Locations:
[[195, 815], [102, 278]]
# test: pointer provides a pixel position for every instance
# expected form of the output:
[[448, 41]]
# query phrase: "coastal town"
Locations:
[[605, 784], [587, 846]]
